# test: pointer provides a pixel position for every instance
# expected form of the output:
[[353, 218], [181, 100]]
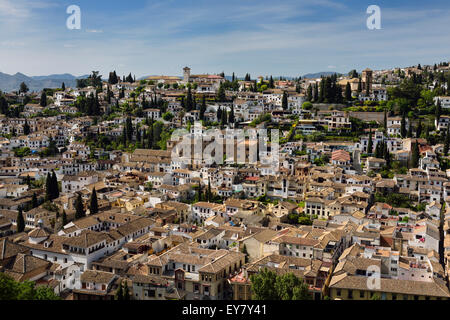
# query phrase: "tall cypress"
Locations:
[[26, 128], [43, 101], [48, 187], [20, 221], [55, 189], [403, 131], [203, 108], [284, 101], [447, 141], [93, 206], [231, 115], [79, 208], [348, 92], [415, 155], [34, 201], [64, 218], [370, 143]]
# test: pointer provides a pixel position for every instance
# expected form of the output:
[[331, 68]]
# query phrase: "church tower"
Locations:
[[186, 74]]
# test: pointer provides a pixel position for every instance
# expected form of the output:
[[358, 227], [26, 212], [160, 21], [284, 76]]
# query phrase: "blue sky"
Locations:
[[259, 37]]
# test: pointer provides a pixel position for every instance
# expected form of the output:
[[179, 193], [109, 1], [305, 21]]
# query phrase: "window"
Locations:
[[338, 293], [361, 294]]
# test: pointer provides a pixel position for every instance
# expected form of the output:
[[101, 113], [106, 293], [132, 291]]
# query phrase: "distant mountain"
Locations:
[[318, 74], [10, 83]]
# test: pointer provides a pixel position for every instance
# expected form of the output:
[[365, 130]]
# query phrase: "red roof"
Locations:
[[340, 155]]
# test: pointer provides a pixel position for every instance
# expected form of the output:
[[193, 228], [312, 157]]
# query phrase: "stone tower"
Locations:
[[186, 74], [367, 76]]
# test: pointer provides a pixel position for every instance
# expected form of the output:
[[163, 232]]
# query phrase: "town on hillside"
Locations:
[[352, 204]]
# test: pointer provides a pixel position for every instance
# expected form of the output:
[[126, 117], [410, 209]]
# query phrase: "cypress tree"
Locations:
[[150, 137], [370, 143], [284, 101], [348, 92], [43, 101], [64, 218], [209, 194], [385, 121], [316, 93], [79, 208], [119, 293], [48, 187], [224, 117], [20, 221], [63, 86], [219, 114], [419, 129], [55, 188], [447, 141], [34, 201], [415, 155], [93, 206], [26, 128], [126, 292], [438, 110], [309, 93], [403, 131], [410, 130], [203, 108], [189, 104], [231, 115]]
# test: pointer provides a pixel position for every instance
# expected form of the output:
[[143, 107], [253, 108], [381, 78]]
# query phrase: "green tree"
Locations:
[[447, 141], [244, 251], [20, 221], [8, 287], [64, 218], [55, 187], [203, 108], [34, 201], [284, 101], [290, 287], [403, 131], [438, 110], [93, 205], [415, 155], [26, 128], [79, 208], [43, 101], [23, 88], [221, 94], [126, 292], [119, 293], [370, 143], [309, 93], [348, 92], [263, 285]]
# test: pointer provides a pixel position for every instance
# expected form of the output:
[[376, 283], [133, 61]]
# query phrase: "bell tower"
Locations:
[[186, 74]]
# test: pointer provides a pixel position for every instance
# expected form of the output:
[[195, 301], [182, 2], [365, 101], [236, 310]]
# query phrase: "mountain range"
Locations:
[[10, 83]]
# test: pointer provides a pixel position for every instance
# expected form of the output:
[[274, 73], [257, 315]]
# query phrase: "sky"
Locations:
[[281, 37]]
